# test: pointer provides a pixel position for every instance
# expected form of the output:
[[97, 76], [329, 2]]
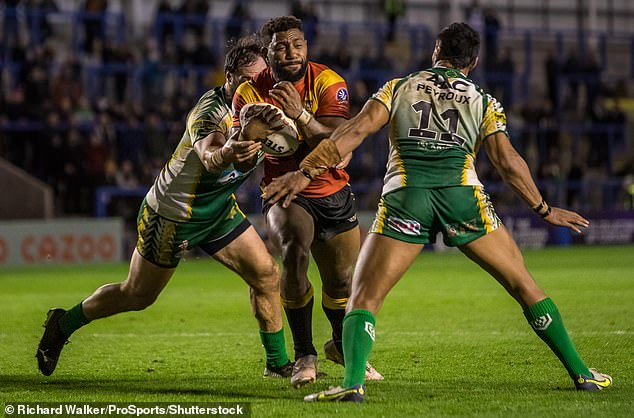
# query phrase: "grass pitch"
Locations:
[[450, 342]]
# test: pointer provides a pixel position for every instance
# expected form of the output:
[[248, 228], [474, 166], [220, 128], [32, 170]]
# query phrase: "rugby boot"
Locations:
[[304, 371], [598, 381], [338, 394], [335, 356], [281, 371], [51, 343]]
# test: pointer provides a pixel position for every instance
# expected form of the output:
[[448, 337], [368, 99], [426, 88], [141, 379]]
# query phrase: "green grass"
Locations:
[[450, 342]]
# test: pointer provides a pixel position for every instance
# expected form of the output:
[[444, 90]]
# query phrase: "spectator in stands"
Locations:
[[194, 12], [571, 70], [74, 194], [393, 9], [239, 13], [94, 22], [553, 72], [11, 24], [37, 18], [66, 86], [125, 177], [164, 20], [492, 28], [591, 73], [308, 15]]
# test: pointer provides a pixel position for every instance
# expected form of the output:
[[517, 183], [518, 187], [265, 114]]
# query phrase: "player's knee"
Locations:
[[294, 254], [338, 287], [268, 278]]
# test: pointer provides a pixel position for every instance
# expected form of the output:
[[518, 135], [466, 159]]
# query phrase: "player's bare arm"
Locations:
[[345, 139], [515, 172], [217, 153]]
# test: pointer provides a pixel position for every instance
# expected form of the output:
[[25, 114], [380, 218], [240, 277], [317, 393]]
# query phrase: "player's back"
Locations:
[[438, 118]]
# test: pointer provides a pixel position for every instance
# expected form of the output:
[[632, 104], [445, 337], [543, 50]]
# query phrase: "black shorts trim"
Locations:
[[213, 246], [332, 215]]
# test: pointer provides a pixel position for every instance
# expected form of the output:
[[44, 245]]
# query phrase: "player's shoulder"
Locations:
[[262, 82], [321, 73], [212, 101], [216, 94]]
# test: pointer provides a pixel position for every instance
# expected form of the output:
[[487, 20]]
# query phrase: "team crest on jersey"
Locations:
[[369, 328], [541, 323], [405, 226], [342, 95]]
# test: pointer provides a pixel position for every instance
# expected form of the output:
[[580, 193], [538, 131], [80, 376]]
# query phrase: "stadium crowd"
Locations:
[[109, 111]]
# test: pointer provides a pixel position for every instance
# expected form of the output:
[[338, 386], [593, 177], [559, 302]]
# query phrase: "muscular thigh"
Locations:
[[247, 255], [292, 226], [335, 259]]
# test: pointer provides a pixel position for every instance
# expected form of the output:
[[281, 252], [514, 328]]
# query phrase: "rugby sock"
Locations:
[[546, 321], [358, 338], [275, 348], [300, 318], [72, 320], [335, 310]]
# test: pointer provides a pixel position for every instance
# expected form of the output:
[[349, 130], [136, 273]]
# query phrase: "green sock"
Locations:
[[275, 347], [358, 338], [546, 321], [72, 320]]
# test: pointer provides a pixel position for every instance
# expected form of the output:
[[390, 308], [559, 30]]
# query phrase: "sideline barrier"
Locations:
[[61, 241]]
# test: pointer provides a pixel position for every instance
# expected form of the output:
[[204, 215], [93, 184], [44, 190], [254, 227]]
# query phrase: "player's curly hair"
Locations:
[[280, 24], [459, 44], [244, 51]]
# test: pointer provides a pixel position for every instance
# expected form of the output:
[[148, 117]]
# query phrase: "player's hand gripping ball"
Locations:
[[267, 123]]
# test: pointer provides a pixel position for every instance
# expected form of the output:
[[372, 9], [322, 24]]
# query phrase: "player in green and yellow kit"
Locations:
[[192, 204], [438, 119]]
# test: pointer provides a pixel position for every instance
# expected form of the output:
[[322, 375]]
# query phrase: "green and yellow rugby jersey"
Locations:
[[438, 119], [185, 190]]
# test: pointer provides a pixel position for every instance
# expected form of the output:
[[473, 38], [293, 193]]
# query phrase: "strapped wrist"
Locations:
[[324, 156], [543, 209], [304, 117]]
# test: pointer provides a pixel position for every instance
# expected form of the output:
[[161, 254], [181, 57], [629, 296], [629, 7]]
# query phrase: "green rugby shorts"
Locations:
[[163, 242], [416, 215]]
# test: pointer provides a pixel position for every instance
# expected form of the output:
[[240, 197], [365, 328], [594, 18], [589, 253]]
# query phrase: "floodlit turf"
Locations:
[[450, 342]]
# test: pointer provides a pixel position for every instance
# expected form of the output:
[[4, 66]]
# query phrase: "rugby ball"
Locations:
[[283, 142]]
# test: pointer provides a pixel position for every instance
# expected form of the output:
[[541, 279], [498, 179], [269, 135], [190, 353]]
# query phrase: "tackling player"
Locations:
[[192, 204], [438, 119], [323, 218]]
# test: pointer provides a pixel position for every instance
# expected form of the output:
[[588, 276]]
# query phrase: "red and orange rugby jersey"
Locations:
[[325, 94]]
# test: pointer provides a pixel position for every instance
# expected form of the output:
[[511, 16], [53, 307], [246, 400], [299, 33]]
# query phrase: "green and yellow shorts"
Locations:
[[163, 242], [417, 215]]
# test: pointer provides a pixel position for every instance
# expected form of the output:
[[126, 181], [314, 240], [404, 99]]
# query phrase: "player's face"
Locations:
[[245, 73], [287, 55]]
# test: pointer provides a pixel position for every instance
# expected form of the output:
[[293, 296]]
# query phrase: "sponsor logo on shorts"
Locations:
[[369, 328], [342, 95], [353, 218], [541, 323], [405, 226], [453, 230]]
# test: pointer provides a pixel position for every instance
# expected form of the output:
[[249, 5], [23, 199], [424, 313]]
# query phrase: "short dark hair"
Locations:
[[244, 51], [459, 44], [280, 24]]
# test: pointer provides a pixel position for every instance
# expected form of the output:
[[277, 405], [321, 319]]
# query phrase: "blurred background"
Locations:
[[94, 93]]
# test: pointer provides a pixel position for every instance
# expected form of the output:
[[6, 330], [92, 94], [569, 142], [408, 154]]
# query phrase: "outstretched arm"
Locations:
[[345, 139], [515, 172]]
